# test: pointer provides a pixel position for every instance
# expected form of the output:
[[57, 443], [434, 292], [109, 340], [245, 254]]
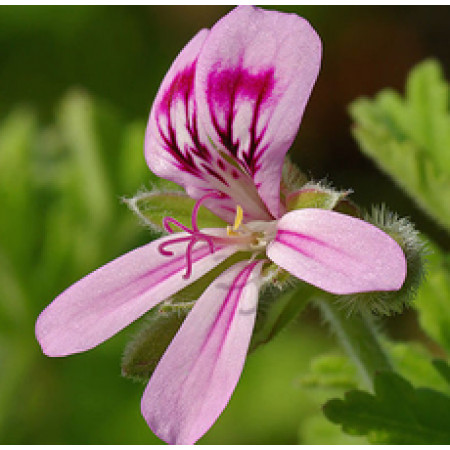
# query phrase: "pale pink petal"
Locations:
[[200, 369], [170, 147], [107, 300], [254, 76], [175, 151], [337, 253]]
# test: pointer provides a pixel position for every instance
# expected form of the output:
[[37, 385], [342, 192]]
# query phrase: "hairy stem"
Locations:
[[358, 336]]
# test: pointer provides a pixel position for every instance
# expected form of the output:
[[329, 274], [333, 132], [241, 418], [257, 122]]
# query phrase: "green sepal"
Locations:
[[152, 207], [292, 178], [143, 352], [314, 196], [347, 207]]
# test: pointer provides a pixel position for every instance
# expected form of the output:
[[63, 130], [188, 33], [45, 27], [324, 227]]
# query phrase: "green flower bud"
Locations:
[[315, 195], [292, 178]]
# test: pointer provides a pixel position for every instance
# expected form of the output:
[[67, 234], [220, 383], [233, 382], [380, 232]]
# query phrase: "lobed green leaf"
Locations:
[[432, 302], [331, 372], [409, 138], [397, 413]]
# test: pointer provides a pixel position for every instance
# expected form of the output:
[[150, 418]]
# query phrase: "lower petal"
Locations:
[[200, 369], [337, 253], [110, 298]]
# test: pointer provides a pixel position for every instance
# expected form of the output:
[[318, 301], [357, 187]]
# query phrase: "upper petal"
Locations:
[[337, 253], [175, 150], [200, 369], [254, 76], [105, 301], [229, 108]]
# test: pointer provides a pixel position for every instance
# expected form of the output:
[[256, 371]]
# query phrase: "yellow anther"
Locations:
[[237, 222], [238, 218]]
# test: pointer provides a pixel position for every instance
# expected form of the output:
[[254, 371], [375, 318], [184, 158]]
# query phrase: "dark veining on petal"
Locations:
[[216, 175], [182, 90], [226, 89]]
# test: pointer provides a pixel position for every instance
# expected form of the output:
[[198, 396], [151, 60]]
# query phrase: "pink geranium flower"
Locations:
[[221, 124]]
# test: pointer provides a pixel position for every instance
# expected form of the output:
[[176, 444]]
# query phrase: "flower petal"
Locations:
[[174, 149], [229, 108], [254, 76], [337, 253], [170, 145], [107, 300], [200, 369]]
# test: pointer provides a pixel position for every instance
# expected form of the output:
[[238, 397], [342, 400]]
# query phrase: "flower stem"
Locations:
[[359, 338]]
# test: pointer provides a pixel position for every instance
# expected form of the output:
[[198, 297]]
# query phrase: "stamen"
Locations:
[[163, 245], [170, 220], [238, 218], [195, 234], [189, 259], [208, 240], [237, 222], [197, 207]]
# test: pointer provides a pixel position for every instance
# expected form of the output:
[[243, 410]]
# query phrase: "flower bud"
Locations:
[[292, 178], [315, 195]]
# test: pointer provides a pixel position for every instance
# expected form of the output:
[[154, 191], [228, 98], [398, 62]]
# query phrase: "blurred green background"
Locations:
[[76, 86]]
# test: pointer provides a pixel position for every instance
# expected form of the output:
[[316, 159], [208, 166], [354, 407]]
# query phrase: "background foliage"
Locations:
[[76, 85]]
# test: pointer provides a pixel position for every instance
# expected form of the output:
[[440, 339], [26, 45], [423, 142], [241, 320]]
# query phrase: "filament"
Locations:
[[195, 234], [197, 207], [163, 245]]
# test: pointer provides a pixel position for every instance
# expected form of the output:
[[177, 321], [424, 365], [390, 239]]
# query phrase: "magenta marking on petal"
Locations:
[[181, 90], [303, 236], [228, 208], [200, 369], [225, 89], [212, 172], [234, 293], [195, 256], [298, 237], [164, 271], [292, 246]]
